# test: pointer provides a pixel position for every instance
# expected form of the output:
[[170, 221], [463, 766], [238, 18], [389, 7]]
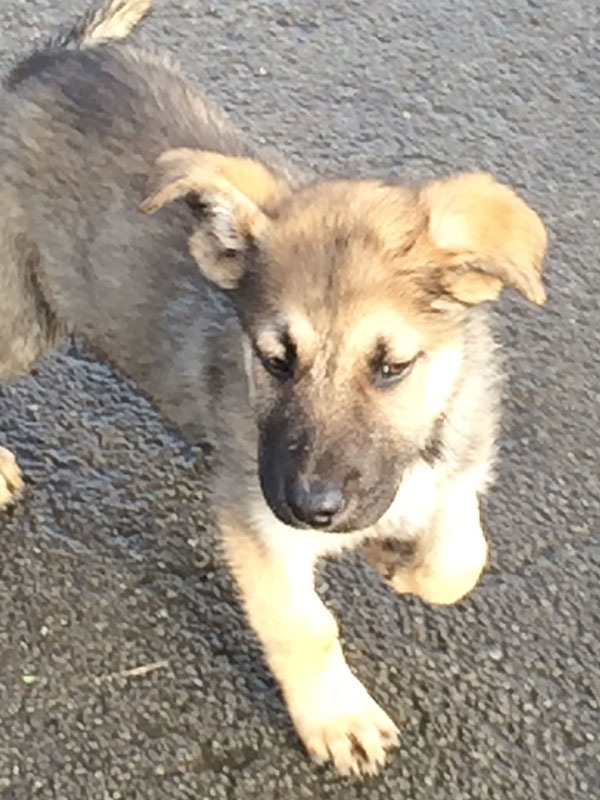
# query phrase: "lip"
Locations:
[[287, 517]]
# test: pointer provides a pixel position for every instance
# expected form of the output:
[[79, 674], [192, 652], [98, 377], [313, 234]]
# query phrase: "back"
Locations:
[[79, 132]]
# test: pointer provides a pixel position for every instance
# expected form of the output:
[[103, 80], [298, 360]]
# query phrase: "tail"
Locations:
[[111, 20]]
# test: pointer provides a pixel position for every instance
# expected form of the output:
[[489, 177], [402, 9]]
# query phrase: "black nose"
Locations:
[[316, 504]]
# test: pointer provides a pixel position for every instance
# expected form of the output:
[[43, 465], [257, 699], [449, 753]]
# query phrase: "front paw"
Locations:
[[338, 720], [11, 482]]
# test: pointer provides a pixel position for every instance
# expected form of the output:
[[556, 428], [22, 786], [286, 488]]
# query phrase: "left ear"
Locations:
[[488, 238], [237, 194]]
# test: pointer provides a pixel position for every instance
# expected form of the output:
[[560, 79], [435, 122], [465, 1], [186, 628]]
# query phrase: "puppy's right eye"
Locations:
[[277, 353], [280, 368]]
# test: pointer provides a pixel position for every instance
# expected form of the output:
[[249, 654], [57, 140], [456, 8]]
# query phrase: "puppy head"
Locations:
[[353, 297]]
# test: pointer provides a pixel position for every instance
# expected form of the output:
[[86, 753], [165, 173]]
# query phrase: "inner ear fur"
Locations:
[[486, 236], [238, 194]]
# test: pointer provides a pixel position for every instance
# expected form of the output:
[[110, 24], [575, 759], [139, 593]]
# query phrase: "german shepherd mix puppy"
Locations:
[[327, 334]]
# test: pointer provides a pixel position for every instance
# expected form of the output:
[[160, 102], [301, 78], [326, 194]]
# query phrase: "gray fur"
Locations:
[[79, 133]]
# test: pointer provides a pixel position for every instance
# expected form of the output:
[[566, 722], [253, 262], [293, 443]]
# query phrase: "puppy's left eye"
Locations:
[[387, 373]]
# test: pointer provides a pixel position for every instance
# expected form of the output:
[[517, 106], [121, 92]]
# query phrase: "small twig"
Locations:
[[144, 669]]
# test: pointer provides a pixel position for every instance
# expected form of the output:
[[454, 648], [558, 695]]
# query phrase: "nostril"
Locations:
[[315, 504], [328, 501]]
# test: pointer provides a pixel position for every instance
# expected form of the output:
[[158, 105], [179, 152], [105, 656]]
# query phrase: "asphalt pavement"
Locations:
[[126, 669]]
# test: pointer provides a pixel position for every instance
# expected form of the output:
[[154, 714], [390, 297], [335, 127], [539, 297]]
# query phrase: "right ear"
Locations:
[[237, 194], [487, 237]]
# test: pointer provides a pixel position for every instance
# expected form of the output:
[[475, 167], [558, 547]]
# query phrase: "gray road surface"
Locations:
[[110, 561]]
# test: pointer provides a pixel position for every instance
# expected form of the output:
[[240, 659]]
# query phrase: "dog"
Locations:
[[329, 336]]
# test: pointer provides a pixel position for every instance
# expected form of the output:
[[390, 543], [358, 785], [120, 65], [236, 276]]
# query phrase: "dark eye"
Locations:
[[387, 373], [280, 368], [281, 364]]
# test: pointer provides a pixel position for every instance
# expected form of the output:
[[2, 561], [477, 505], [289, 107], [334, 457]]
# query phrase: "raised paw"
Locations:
[[440, 575], [390, 556], [338, 720], [11, 482]]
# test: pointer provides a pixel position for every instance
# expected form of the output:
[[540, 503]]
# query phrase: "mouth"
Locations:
[[350, 522], [294, 522]]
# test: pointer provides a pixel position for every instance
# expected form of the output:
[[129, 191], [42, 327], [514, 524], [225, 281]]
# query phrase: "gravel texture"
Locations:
[[110, 562]]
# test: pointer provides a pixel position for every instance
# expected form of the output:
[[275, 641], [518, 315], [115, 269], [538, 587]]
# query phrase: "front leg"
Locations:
[[331, 710], [444, 562]]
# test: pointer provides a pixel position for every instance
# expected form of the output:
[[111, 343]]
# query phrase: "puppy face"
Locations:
[[350, 365], [353, 296]]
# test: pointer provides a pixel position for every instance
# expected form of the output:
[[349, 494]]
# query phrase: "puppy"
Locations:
[[329, 336]]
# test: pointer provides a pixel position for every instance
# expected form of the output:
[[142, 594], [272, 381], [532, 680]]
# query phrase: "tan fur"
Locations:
[[332, 712], [365, 322], [478, 223], [11, 482], [478, 232], [114, 19], [238, 190], [473, 287], [447, 561], [184, 170]]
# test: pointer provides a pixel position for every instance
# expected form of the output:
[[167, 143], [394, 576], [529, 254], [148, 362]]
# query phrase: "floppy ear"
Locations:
[[236, 195], [488, 237]]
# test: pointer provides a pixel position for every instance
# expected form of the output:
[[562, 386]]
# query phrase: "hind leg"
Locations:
[[28, 328], [11, 482]]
